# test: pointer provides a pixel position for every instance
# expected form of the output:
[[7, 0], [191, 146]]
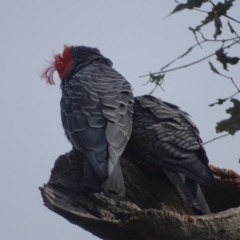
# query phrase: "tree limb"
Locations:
[[152, 208]]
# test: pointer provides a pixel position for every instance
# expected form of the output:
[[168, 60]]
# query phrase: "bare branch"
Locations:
[[199, 10], [190, 64], [217, 72], [192, 47], [194, 33], [221, 101], [235, 84], [216, 138], [212, 3], [231, 18], [152, 208], [232, 30]]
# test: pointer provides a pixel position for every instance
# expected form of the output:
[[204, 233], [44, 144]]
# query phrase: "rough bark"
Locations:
[[152, 208]]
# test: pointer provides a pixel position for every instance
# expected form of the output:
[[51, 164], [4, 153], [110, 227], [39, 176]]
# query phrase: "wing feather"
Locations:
[[168, 137], [97, 108]]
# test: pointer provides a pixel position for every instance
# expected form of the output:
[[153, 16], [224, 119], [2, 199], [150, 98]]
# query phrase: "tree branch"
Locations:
[[235, 20], [152, 208], [224, 135], [189, 64]]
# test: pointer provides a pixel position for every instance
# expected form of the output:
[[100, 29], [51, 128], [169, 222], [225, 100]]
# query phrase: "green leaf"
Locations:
[[189, 5], [232, 124], [230, 27], [218, 10], [233, 60], [157, 79], [222, 8], [219, 102], [182, 56], [212, 67], [224, 59], [218, 25]]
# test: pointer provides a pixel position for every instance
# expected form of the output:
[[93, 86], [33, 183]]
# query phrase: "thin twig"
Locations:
[[195, 45], [202, 35], [195, 36], [216, 138], [212, 3], [184, 66], [222, 100], [217, 72], [222, 40], [231, 80], [215, 40], [233, 95], [199, 10], [190, 64], [235, 84], [153, 89], [232, 30], [231, 18]]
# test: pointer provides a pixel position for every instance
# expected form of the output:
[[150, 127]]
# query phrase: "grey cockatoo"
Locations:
[[164, 138], [96, 113]]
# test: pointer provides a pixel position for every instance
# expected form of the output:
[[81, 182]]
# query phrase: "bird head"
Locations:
[[70, 61]]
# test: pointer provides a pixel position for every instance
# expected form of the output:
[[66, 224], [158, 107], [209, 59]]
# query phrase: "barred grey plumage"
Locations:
[[96, 112], [163, 135]]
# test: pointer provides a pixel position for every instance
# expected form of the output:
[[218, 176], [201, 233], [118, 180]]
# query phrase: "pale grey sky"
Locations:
[[135, 37]]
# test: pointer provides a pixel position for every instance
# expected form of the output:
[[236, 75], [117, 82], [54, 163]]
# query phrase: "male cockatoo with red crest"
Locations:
[[96, 113]]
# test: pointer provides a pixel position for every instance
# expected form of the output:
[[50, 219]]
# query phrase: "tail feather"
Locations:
[[189, 190], [194, 169], [199, 197], [90, 178], [115, 182], [95, 169], [98, 161], [97, 177]]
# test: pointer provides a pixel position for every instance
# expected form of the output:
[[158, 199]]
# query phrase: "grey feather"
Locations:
[[116, 184], [96, 112], [164, 135], [189, 190], [96, 122], [110, 102], [115, 136], [79, 122]]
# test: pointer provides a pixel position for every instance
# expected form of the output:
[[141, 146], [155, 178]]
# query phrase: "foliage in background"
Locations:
[[217, 12]]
